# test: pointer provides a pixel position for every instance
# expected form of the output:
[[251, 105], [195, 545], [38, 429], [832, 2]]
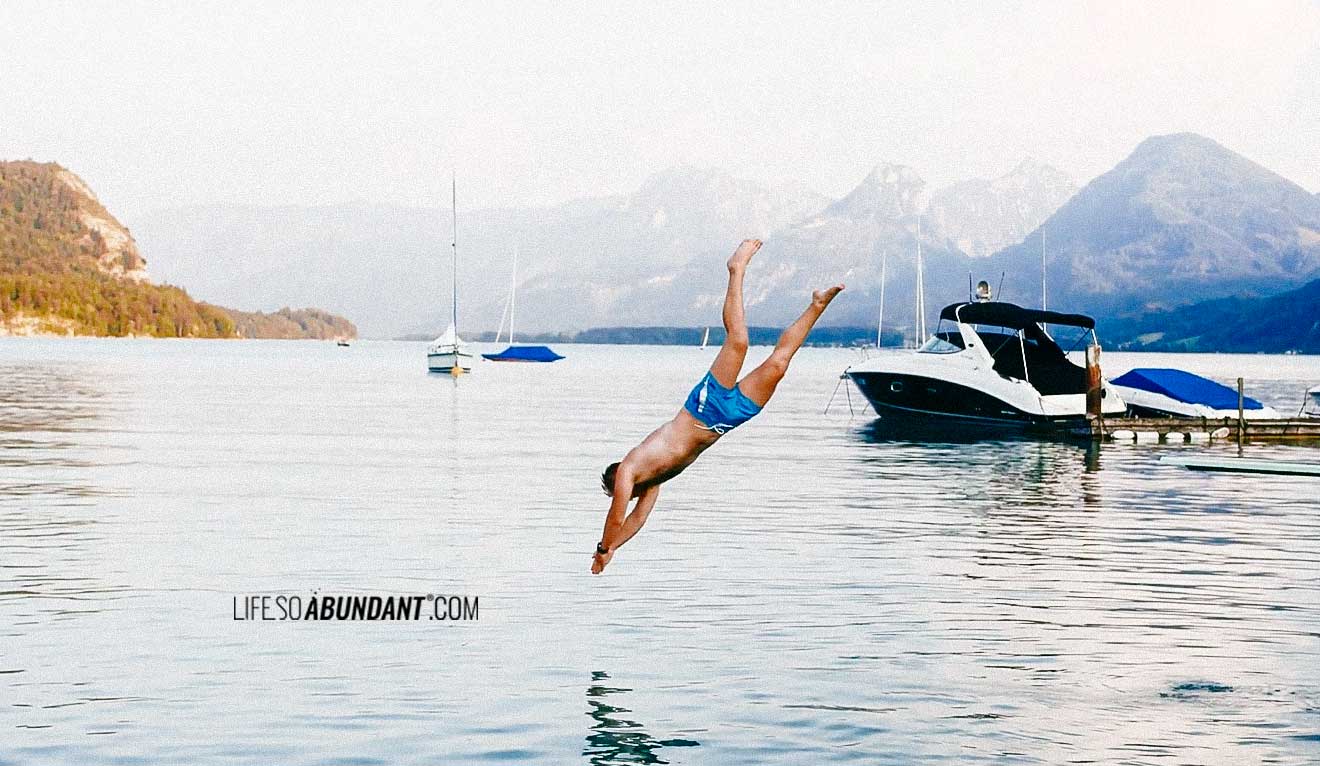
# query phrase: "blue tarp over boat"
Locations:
[[1185, 387], [526, 354]]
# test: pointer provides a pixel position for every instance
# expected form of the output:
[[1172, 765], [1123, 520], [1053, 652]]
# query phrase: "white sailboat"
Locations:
[[448, 353], [880, 325], [705, 339]]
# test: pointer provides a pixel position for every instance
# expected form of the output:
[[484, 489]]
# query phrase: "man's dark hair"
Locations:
[[607, 478]]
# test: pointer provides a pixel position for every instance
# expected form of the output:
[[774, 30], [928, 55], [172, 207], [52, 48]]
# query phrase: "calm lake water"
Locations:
[[808, 592]]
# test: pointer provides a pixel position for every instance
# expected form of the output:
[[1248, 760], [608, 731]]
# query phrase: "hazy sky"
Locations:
[[162, 104]]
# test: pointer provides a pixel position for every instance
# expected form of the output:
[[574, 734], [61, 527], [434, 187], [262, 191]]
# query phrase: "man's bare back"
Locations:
[[667, 450], [718, 403]]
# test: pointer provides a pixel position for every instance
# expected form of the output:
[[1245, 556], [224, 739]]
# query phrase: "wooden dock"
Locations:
[[1285, 430]]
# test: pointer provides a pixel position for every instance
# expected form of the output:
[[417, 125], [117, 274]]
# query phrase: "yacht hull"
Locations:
[[917, 397], [932, 401]]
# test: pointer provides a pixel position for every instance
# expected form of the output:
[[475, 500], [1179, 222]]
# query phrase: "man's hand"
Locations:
[[599, 560]]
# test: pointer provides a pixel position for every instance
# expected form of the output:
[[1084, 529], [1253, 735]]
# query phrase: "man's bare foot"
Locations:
[[598, 561], [822, 298], [744, 254]]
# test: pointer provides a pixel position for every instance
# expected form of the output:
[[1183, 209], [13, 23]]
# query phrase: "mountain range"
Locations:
[[651, 257], [1181, 220]]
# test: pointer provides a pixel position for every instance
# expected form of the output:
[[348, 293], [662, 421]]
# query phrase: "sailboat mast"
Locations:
[[1044, 296], [921, 290], [880, 326], [453, 191], [513, 293]]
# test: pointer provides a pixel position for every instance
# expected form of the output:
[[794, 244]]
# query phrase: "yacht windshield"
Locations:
[[939, 345]]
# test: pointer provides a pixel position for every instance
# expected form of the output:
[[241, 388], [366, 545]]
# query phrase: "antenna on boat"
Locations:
[[921, 290], [971, 294], [880, 326], [1000, 290]]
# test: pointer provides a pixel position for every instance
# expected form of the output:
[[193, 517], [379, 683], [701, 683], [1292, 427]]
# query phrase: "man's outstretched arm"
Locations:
[[622, 495], [635, 519]]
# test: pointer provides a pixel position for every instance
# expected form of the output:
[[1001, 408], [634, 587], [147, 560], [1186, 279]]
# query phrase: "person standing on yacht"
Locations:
[[719, 403]]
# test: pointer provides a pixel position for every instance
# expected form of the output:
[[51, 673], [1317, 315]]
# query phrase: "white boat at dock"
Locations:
[[995, 369]]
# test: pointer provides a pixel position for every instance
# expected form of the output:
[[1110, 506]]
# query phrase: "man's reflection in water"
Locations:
[[614, 739]]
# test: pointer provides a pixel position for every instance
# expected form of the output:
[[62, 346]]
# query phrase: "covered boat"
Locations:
[[518, 353], [1166, 392], [996, 368], [525, 354]]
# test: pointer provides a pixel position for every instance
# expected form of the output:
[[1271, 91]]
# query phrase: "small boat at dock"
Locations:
[[1165, 392], [1244, 465], [1311, 404]]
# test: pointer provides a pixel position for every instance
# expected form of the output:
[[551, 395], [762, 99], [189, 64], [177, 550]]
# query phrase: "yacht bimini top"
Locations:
[[1011, 316]]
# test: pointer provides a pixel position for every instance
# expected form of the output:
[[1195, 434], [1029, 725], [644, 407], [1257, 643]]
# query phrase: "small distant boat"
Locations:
[[705, 339], [341, 342], [1311, 404], [1165, 392], [515, 353], [448, 353]]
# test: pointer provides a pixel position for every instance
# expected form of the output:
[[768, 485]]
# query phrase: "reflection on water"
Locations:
[[814, 589], [615, 739], [48, 416]]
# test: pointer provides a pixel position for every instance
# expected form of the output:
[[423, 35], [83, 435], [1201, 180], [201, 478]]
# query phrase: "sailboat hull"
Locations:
[[446, 361]]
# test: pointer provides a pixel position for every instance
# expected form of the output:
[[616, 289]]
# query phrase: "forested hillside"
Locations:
[[68, 267]]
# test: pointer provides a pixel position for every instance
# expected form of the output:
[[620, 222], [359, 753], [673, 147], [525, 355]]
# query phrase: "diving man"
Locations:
[[719, 403]]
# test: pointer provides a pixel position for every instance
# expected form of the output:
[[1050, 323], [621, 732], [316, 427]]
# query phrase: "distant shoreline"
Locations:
[[685, 336], [821, 337]]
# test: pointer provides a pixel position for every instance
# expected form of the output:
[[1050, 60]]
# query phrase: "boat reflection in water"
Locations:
[[617, 740], [997, 468]]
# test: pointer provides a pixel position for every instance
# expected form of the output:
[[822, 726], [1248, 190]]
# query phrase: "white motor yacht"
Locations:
[[995, 366]]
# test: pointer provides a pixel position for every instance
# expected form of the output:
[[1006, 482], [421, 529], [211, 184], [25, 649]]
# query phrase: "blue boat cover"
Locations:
[[1185, 387], [530, 354]]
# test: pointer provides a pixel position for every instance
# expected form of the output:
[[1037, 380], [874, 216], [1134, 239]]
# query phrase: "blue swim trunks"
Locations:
[[720, 409]]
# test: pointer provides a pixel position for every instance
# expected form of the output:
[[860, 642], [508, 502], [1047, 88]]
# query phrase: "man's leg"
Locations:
[[728, 363], [760, 383]]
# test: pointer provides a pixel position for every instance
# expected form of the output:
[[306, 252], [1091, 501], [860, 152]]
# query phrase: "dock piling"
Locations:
[[1242, 421]]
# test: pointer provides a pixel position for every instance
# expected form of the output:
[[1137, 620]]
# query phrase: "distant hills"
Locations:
[[1275, 324], [67, 266]]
